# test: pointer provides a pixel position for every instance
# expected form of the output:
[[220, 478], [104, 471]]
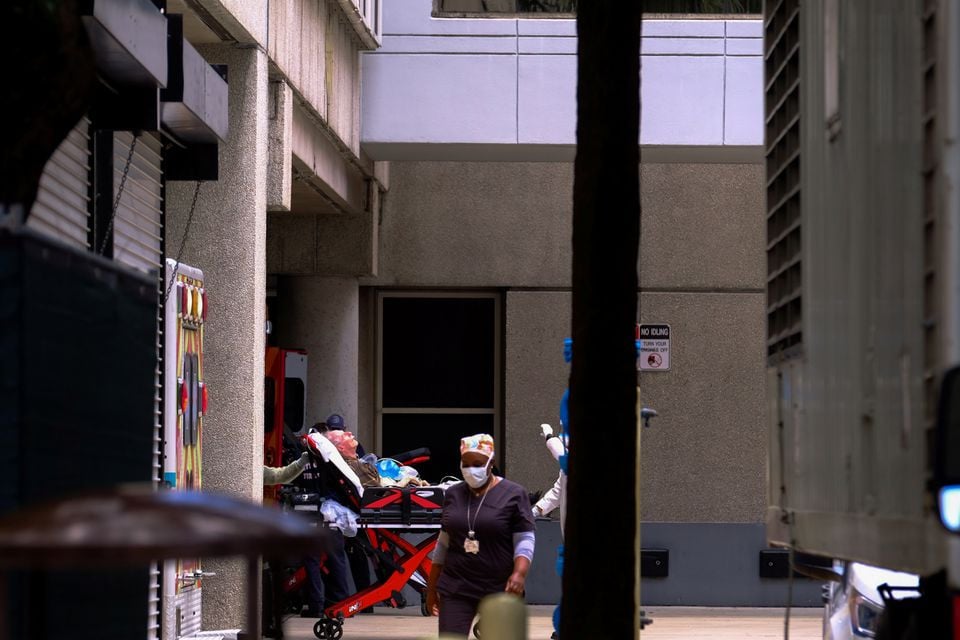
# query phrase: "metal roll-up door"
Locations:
[[138, 243], [62, 208], [138, 228], [138, 236]]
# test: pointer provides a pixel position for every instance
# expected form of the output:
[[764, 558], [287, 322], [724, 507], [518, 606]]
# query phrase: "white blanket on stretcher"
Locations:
[[319, 445]]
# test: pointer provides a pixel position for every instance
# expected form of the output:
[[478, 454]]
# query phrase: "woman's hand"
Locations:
[[433, 602], [516, 582], [433, 598], [518, 578]]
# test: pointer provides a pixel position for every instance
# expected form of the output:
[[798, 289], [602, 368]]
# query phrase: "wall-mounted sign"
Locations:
[[654, 347]]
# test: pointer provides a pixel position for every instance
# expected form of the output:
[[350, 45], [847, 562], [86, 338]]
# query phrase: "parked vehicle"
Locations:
[[853, 603]]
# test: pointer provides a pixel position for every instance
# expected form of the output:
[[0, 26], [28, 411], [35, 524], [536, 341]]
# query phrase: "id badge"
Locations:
[[471, 546]]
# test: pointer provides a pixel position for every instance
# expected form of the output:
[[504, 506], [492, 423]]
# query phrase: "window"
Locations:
[[570, 6], [438, 373], [293, 403]]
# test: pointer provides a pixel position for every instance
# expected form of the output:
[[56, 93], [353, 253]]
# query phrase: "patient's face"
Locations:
[[345, 443]]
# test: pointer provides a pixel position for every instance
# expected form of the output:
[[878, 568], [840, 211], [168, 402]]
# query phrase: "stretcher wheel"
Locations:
[[327, 629], [334, 630], [320, 629]]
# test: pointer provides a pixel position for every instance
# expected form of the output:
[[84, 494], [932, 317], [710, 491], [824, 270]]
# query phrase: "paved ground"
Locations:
[[671, 623]]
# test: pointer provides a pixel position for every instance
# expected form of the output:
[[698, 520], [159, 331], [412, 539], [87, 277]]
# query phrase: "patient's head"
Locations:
[[344, 441]]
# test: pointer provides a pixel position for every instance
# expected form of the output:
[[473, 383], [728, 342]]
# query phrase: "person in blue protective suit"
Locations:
[[557, 495]]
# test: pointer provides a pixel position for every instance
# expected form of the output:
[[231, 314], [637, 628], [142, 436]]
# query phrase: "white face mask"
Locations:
[[476, 477]]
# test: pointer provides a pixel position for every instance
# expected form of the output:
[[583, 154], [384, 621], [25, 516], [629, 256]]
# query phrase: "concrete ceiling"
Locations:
[[194, 28], [307, 198]]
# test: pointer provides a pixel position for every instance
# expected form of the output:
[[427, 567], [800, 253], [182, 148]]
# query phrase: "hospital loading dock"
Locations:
[[476, 119], [478, 203], [447, 235]]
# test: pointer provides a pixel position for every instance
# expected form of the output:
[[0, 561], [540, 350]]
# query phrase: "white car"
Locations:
[[853, 605]]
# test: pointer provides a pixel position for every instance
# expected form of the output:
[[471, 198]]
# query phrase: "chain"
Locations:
[[116, 201], [183, 243]]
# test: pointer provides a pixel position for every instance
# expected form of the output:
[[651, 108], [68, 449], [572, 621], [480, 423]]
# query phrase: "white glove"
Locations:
[[547, 430], [303, 460]]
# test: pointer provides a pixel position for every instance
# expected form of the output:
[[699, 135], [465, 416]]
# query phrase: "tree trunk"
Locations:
[[600, 575]]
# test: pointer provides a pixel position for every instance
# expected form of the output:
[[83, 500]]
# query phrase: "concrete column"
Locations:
[[322, 315], [227, 240], [280, 165]]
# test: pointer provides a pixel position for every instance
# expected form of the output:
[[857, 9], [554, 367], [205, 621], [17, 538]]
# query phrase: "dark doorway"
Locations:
[[439, 373]]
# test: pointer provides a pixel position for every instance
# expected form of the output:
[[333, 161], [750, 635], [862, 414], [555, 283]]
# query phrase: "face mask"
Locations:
[[476, 477]]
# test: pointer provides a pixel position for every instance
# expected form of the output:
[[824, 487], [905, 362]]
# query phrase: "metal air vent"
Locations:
[[782, 96]]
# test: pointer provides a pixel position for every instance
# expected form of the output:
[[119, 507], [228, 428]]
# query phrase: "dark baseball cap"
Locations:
[[335, 421]]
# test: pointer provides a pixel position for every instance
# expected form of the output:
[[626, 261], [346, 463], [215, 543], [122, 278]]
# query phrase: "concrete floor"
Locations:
[[670, 623]]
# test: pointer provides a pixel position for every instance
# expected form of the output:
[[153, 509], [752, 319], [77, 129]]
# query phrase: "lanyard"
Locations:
[[470, 531]]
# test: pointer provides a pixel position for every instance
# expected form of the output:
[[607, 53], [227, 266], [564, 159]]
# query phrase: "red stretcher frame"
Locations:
[[409, 557]]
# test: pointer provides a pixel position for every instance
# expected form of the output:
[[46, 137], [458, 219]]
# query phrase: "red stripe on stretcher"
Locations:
[[417, 460], [423, 502], [383, 502]]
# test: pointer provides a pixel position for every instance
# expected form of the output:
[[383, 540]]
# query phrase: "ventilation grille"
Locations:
[[782, 96]]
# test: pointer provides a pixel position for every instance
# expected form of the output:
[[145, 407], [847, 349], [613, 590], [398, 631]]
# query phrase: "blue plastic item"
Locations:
[[565, 411], [388, 468]]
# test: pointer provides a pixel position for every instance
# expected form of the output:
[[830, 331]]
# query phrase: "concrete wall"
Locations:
[[507, 225], [704, 458], [506, 87], [321, 315], [315, 47], [477, 224], [243, 20], [227, 240], [695, 569]]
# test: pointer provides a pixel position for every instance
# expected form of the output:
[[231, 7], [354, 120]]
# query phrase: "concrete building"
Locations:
[[208, 114], [394, 188]]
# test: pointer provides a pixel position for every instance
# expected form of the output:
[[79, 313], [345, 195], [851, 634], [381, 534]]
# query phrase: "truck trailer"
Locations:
[[862, 116]]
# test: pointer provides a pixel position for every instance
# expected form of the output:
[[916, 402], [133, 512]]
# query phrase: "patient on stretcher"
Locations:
[[386, 501], [346, 443]]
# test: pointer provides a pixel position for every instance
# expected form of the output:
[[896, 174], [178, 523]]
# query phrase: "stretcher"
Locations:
[[384, 515]]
